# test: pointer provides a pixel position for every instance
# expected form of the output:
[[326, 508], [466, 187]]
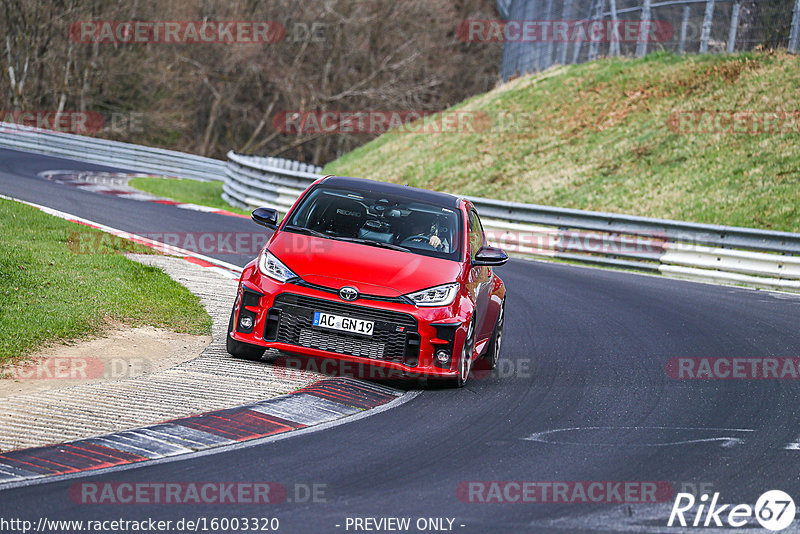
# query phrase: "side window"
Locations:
[[476, 237]]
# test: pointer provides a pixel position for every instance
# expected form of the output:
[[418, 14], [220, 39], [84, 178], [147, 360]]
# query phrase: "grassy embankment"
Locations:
[[598, 136], [60, 281], [603, 136]]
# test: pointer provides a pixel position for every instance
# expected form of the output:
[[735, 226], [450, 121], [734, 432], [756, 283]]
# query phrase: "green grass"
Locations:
[[60, 281], [596, 136], [189, 191]]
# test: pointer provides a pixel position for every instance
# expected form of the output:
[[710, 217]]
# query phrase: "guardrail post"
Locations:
[[707, 20], [644, 34], [613, 46], [597, 16], [734, 27], [684, 27], [566, 13], [548, 51], [794, 37], [576, 48]]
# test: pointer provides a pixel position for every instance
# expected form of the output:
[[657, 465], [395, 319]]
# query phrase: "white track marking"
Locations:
[[726, 440]]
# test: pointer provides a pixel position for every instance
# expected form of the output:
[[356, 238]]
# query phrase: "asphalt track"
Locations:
[[584, 349]]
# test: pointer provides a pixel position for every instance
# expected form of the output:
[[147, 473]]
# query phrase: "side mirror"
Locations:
[[490, 257], [267, 217]]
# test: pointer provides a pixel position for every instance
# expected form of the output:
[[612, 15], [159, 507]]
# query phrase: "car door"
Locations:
[[480, 279]]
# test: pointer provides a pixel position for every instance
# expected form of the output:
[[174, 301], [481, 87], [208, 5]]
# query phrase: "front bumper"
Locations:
[[404, 343]]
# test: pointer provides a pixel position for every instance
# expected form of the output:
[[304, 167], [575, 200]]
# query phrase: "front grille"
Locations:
[[386, 343], [334, 342]]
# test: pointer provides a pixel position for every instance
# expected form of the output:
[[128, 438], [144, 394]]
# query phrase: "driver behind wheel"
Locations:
[[419, 225]]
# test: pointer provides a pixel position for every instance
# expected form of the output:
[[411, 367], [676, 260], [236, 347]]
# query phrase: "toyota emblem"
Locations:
[[348, 293]]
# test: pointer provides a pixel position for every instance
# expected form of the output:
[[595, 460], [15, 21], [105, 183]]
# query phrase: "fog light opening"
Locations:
[[442, 356], [246, 322]]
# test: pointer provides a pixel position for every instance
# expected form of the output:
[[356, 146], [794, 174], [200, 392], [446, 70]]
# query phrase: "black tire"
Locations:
[[237, 349], [464, 360], [495, 343]]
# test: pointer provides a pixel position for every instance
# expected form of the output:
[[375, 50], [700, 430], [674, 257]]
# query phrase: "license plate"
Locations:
[[343, 324]]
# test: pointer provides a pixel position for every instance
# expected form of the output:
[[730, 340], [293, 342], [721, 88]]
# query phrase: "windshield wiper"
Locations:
[[379, 244], [304, 230]]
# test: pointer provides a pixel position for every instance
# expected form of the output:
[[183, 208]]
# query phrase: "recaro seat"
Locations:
[[343, 216]]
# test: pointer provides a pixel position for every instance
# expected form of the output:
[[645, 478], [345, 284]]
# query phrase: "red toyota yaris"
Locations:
[[374, 274]]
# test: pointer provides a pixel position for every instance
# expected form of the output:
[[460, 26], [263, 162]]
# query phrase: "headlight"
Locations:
[[271, 266], [435, 296]]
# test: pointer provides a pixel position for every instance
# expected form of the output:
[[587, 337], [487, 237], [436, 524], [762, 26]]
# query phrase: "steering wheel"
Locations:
[[419, 239]]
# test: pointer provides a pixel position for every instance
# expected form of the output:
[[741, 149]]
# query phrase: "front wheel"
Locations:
[[493, 351], [237, 349], [465, 361]]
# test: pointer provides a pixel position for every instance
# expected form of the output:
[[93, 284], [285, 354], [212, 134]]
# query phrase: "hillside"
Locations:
[[636, 136]]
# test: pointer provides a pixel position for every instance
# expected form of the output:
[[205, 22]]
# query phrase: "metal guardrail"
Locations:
[[252, 181], [728, 254], [113, 153], [668, 230], [760, 258]]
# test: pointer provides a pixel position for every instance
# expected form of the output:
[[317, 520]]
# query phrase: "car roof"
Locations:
[[413, 193]]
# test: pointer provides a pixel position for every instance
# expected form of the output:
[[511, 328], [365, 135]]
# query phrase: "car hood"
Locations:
[[371, 270]]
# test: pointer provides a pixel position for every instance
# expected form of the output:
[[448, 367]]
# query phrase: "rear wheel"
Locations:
[[493, 351], [237, 349]]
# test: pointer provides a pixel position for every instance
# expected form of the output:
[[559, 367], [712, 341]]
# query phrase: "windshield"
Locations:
[[380, 220]]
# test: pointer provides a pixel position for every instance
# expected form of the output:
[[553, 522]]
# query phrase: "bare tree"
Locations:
[[345, 55]]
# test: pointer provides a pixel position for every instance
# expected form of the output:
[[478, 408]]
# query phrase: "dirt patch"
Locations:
[[124, 352]]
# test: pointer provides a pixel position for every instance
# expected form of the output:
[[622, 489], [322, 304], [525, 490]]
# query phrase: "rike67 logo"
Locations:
[[774, 510]]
